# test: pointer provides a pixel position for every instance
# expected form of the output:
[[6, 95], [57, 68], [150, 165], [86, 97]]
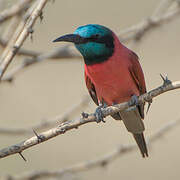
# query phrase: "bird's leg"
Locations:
[[134, 101], [165, 79], [98, 113]]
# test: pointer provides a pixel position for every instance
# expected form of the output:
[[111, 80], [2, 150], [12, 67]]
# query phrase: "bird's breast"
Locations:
[[112, 80]]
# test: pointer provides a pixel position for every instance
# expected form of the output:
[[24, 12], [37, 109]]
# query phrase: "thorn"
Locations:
[[149, 105], [104, 163], [31, 37], [162, 77], [38, 137], [1, 71], [15, 49], [20, 153], [35, 133], [41, 16], [30, 30], [10, 79], [165, 79]]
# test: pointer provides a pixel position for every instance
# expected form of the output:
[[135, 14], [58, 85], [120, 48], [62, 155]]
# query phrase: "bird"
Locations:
[[113, 75]]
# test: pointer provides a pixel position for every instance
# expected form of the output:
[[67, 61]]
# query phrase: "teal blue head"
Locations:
[[94, 42]]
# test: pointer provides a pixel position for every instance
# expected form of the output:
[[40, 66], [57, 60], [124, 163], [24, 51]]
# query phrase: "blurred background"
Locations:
[[51, 87]]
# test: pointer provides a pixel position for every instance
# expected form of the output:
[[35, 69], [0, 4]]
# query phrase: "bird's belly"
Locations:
[[115, 88]]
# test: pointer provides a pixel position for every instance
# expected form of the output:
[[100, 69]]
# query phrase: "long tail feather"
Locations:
[[141, 144]]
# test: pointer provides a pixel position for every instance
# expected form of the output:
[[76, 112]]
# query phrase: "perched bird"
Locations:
[[113, 75]]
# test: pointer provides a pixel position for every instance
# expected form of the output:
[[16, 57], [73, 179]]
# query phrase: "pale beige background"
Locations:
[[51, 87]]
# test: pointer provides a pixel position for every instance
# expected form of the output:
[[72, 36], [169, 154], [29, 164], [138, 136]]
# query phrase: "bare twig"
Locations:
[[57, 53], [71, 124], [9, 44], [20, 40], [15, 9], [135, 32], [162, 7], [23, 52], [9, 30], [98, 162], [47, 123], [60, 53]]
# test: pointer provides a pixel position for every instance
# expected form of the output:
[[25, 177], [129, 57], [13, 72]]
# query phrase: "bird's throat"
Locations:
[[97, 59], [96, 52]]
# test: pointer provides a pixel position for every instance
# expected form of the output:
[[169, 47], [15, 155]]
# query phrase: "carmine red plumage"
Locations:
[[118, 78], [113, 75]]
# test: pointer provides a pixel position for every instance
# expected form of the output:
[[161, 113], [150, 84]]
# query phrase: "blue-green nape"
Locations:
[[99, 44]]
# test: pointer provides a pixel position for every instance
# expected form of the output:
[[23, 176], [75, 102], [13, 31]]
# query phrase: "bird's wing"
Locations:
[[91, 89], [138, 76]]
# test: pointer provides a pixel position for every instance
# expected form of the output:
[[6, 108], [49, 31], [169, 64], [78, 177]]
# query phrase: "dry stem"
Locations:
[[71, 124]]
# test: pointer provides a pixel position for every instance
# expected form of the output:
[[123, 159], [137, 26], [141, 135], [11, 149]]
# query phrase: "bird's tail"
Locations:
[[141, 144], [134, 124]]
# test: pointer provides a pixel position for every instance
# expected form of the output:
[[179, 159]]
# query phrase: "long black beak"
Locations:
[[74, 38]]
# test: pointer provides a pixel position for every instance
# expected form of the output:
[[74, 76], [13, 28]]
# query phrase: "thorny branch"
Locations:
[[98, 162], [46, 123], [23, 52], [71, 124], [16, 32], [134, 33], [53, 54], [14, 10], [23, 35]]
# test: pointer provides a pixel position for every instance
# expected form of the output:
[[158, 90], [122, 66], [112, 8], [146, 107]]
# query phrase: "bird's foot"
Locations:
[[84, 115], [134, 101], [165, 79], [99, 115]]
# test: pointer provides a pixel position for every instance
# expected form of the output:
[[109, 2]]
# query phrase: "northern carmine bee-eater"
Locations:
[[113, 75]]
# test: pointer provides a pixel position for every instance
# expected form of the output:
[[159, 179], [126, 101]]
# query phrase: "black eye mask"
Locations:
[[107, 40]]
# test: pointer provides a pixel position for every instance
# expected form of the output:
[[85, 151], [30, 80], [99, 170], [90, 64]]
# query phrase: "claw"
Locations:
[[165, 79], [99, 115], [134, 101], [84, 115]]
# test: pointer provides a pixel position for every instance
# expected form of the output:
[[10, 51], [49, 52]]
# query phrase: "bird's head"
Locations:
[[95, 42]]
